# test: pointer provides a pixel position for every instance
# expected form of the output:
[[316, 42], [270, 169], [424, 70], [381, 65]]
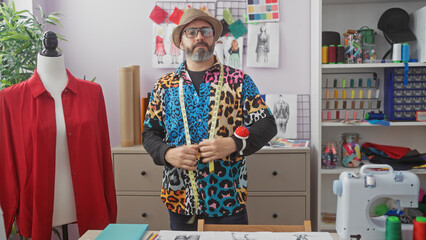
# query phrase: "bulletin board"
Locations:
[[238, 9]]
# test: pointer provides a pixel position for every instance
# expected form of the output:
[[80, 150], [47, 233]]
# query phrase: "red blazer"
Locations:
[[27, 156]]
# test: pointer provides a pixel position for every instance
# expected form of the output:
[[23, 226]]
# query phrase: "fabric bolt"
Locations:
[[27, 166], [223, 192]]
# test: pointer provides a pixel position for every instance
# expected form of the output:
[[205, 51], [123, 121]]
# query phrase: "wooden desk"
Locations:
[[92, 234]]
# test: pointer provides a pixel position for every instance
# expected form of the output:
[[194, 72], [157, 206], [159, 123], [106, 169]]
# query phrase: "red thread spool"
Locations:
[[419, 228], [332, 54]]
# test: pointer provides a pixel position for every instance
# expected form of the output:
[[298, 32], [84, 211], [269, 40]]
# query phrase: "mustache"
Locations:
[[198, 44]]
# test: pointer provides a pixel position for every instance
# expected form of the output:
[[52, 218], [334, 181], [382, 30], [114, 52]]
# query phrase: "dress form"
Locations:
[[52, 72]]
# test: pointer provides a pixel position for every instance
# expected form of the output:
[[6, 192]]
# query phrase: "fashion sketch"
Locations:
[[159, 46], [174, 53], [262, 47], [219, 49], [234, 54], [188, 237], [284, 109], [164, 53], [281, 111]]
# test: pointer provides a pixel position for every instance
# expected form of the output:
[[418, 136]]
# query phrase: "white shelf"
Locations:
[[370, 65], [367, 124], [365, 1]]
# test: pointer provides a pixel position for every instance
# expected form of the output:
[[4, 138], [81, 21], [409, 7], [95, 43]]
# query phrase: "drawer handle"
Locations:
[[143, 173], [144, 215], [275, 173], [275, 215]]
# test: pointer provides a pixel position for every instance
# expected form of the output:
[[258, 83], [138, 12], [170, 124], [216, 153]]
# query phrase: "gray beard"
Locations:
[[201, 54]]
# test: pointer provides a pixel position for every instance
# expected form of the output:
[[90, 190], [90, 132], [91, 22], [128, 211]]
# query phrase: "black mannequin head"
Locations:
[[50, 42]]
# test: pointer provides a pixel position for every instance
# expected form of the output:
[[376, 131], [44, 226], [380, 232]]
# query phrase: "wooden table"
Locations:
[[92, 234]]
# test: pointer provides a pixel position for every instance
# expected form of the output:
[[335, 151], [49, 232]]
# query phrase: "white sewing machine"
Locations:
[[360, 192]]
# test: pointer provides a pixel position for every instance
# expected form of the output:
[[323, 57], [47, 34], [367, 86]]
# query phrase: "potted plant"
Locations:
[[21, 38]]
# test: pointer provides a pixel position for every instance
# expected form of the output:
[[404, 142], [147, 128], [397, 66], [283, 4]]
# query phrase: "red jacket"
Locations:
[[27, 156]]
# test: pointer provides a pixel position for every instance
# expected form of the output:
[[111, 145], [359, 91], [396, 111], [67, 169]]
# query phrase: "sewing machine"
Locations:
[[360, 192]]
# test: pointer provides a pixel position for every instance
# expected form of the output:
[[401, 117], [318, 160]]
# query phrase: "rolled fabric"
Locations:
[[126, 107], [136, 103]]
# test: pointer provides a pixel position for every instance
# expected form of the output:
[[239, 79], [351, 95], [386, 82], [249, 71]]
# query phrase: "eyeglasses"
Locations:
[[206, 32]]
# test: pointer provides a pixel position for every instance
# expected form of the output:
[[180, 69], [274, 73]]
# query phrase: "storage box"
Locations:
[[402, 101]]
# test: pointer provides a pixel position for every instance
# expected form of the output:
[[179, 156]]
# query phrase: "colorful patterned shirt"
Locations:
[[223, 192]]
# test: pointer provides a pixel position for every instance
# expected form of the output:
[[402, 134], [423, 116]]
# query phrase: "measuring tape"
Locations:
[[211, 135]]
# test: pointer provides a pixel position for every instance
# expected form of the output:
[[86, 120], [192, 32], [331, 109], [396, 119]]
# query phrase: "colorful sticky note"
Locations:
[[228, 16], [237, 29], [250, 9], [175, 16], [158, 14]]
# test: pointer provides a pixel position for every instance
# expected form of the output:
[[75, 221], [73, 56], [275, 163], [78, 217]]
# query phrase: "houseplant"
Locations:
[[21, 38]]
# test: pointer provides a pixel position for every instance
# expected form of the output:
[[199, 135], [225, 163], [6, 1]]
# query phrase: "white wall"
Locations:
[[106, 35]]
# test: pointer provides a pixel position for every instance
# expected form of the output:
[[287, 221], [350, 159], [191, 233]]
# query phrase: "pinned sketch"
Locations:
[[185, 235], [230, 51], [284, 109], [165, 53], [263, 45]]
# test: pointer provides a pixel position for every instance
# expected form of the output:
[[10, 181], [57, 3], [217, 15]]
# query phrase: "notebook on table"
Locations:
[[123, 232]]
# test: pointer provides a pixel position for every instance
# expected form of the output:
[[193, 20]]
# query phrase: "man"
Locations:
[[204, 172]]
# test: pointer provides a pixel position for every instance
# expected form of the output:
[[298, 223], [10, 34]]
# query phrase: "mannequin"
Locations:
[[52, 72]]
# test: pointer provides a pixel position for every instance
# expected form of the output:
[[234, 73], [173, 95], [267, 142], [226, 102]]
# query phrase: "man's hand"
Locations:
[[184, 157], [212, 149]]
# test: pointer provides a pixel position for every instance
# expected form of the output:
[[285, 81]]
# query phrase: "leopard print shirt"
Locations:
[[223, 192]]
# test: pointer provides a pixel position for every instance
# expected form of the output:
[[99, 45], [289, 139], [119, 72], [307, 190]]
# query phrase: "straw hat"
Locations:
[[191, 15]]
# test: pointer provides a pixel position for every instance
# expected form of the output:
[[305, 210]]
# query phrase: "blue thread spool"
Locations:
[[405, 52]]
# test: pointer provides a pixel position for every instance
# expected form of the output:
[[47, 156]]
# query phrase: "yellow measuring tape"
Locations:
[[211, 134]]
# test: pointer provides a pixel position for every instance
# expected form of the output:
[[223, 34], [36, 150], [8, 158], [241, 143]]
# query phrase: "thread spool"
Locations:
[[419, 228], [371, 116], [393, 228], [396, 53], [332, 54], [340, 54], [324, 58], [405, 53]]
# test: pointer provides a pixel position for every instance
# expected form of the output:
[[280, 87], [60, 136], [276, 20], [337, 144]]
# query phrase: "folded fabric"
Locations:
[[391, 151], [227, 15], [237, 29], [404, 163], [175, 16], [225, 27], [158, 14]]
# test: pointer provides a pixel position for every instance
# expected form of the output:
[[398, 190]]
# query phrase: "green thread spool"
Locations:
[[393, 228], [381, 209]]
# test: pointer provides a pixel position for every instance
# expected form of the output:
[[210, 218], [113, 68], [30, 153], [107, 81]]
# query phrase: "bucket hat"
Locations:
[[191, 15], [394, 23]]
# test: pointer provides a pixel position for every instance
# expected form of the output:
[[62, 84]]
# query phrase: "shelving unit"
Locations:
[[339, 16]]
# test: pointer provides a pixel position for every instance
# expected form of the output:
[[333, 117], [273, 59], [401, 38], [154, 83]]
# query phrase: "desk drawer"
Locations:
[[143, 209], [276, 172], [276, 210], [136, 172]]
